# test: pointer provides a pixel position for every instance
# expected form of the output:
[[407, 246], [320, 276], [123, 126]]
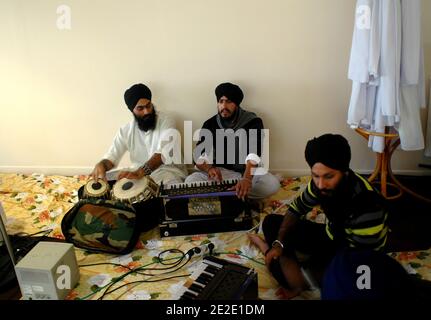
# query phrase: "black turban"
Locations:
[[135, 93], [230, 91], [332, 150]]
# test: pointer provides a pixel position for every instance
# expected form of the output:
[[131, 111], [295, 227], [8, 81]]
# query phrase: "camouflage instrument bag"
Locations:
[[101, 226]]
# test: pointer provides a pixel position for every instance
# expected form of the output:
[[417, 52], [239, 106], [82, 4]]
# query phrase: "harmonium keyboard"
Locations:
[[203, 207], [219, 279]]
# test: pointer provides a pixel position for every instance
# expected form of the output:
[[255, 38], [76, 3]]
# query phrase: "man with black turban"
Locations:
[[355, 216], [142, 137], [230, 147]]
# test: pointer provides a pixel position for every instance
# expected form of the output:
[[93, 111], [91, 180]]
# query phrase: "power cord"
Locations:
[[189, 254], [174, 266], [242, 255], [243, 233], [143, 281]]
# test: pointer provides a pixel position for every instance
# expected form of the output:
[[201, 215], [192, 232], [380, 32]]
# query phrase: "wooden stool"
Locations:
[[382, 171]]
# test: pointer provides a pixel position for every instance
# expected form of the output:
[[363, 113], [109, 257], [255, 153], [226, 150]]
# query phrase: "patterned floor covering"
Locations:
[[35, 203]]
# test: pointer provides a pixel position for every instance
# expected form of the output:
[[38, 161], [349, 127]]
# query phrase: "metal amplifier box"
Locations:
[[48, 272]]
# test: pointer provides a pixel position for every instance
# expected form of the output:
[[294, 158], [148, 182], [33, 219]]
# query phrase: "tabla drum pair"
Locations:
[[130, 191]]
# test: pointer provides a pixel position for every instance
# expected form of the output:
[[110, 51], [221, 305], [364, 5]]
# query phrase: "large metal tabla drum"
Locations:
[[99, 189], [133, 191]]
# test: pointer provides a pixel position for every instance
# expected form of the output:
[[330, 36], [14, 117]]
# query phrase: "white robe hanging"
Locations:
[[412, 79], [386, 68]]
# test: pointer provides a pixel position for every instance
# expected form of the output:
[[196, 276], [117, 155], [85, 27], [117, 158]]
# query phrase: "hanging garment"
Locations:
[[412, 77], [386, 69]]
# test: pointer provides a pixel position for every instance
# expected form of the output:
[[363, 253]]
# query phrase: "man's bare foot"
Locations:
[[258, 242]]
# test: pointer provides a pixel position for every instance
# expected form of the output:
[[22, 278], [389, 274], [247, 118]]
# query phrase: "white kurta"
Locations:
[[143, 145], [412, 78], [386, 67]]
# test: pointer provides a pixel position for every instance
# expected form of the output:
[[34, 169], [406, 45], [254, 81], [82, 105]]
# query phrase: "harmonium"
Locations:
[[203, 207], [219, 279]]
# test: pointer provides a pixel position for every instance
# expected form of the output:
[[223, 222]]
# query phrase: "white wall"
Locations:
[[61, 91]]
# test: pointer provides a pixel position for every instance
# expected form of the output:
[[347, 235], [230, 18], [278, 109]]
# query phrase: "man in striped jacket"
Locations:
[[355, 212]]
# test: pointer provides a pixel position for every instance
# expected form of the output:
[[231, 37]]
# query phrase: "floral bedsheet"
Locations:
[[36, 203]]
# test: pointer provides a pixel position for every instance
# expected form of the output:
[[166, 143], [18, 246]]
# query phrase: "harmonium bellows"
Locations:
[[203, 207]]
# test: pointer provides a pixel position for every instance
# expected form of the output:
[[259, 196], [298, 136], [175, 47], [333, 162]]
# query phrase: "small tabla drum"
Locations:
[[133, 191], [99, 189]]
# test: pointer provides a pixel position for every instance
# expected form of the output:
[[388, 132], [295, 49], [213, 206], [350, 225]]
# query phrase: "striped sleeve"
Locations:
[[368, 231], [304, 202]]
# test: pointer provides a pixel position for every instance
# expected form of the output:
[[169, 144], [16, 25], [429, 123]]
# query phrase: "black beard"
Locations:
[[147, 122], [229, 121], [338, 192]]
